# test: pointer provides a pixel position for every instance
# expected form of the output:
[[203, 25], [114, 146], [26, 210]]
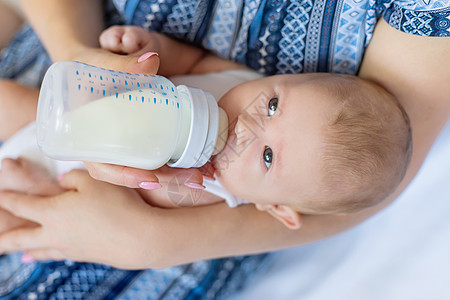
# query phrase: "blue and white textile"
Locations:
[[214, 279], [292, 36]]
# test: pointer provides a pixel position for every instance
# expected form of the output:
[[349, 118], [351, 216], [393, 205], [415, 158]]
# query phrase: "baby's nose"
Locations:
[[244, 135]]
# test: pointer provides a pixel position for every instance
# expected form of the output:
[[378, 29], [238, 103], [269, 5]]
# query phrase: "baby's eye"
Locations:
[[272, 105], [267, 156]]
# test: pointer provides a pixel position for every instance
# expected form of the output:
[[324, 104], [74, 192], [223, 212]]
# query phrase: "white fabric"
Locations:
[[403, 252], [214, 187], [24, 144], [217, 83]]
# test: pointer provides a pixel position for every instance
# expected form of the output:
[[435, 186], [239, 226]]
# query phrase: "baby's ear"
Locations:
[[286, 215]]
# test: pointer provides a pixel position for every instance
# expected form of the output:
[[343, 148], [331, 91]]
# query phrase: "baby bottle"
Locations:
[[92, 114]]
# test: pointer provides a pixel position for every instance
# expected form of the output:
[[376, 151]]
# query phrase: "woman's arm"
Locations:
[[70, 30], [10, 22], [414, 69], [65, 27]]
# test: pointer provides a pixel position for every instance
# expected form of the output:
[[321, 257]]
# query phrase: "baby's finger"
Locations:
[[130, 42], [21, 239], [33, 208], [124, 176], [42, 254], [110, 39]]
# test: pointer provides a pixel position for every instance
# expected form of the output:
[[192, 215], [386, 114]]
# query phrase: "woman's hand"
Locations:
[[139, 64], [138, 178], [9, 221], [93, 222]]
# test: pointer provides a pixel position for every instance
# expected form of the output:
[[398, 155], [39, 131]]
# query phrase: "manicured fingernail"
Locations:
[[194, 185], [26, 259], [60, 177], [146, 56], [149, 185]]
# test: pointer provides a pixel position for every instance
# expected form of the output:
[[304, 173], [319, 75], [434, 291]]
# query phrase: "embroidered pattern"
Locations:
[[349, 37], [313, 36], [418, 5], [433, 23], [239, 51], [179, 21], [264, 47], [224, 24], [290, 56], [291, 36], [214, 279]]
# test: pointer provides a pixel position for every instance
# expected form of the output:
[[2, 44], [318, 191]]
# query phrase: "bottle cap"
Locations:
[[204, 128]]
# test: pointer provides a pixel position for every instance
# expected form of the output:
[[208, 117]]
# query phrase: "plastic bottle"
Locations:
[[92, 114]]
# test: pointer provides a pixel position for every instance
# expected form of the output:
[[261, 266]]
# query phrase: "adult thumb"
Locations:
[[147, 63]]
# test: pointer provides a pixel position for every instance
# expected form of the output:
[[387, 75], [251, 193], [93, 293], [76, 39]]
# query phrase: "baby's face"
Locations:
[[272, 155]]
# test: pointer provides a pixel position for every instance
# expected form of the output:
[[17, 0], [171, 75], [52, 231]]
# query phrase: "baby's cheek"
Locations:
[[238, 184]]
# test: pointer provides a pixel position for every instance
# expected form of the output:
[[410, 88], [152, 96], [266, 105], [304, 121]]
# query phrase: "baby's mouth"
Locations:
[[222, 159]]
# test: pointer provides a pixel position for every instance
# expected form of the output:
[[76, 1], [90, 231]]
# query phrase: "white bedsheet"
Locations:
[[401, 253]]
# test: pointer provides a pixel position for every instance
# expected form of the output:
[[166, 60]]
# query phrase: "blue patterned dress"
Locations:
[[287, 36], [270, 36]]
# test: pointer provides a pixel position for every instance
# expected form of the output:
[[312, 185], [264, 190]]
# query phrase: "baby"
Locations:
[[304, 143]]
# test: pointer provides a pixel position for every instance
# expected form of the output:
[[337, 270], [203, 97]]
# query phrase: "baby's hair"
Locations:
[[367, 146]]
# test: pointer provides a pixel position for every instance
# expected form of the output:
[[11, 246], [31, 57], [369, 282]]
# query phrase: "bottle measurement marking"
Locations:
[[127, 83]]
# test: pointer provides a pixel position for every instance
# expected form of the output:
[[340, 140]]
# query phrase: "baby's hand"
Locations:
[[128, 40]]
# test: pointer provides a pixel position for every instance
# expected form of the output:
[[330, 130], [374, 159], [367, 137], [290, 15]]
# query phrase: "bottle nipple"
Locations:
[[222, 134]]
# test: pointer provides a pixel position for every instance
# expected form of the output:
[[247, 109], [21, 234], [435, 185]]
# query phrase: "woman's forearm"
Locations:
[[65, 26], [179, 236], [417, 78]]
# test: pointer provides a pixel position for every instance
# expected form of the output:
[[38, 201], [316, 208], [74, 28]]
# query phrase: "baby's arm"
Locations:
[[177, 58]]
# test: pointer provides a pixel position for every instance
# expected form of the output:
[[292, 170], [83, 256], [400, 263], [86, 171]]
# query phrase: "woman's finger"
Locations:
[[74, 179], [207, 170], [122, 63], [33, 208], [121, 175], [191, 178], [20, 239]]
